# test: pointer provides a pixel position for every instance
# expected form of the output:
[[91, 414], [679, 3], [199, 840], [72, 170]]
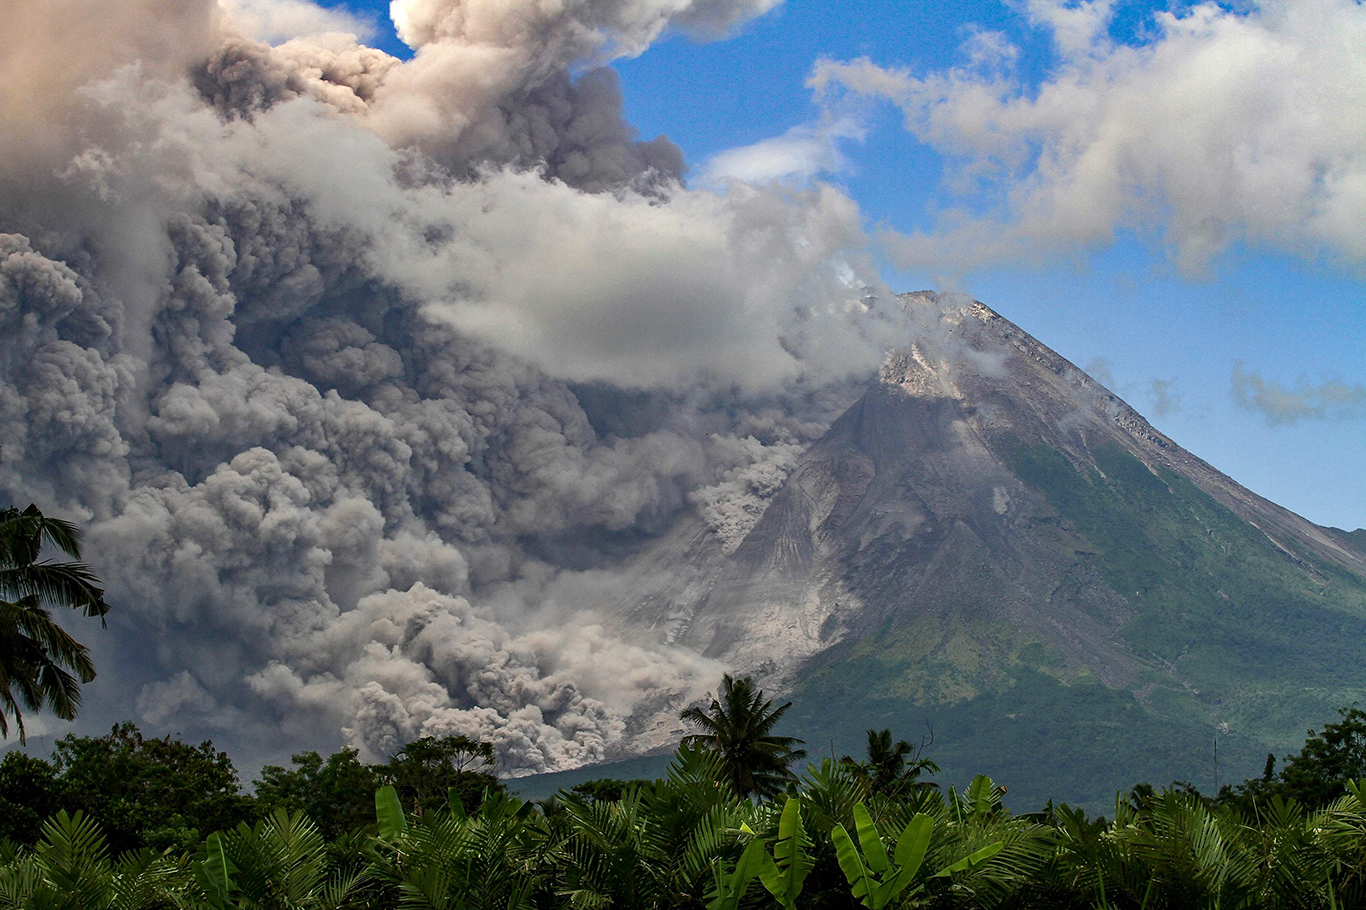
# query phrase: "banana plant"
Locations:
[[876, 878], [971, 861], [389, 817], [731, 884], [214, 872], [981, 801], [784, 873]]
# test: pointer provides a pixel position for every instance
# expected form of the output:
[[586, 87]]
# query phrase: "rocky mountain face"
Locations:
[[992, 544]]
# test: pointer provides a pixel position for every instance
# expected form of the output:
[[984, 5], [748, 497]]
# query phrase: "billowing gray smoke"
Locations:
[[364, 374]]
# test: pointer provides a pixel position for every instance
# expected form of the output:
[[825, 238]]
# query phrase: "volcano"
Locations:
[[992, 550]]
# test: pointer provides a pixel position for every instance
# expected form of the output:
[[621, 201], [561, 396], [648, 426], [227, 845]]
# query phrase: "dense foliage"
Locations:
[[167, 794], [689, 842], [337, 833]]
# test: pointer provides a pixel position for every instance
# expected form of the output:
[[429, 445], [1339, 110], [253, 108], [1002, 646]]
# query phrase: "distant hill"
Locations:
[[540, 786], [992, 543]]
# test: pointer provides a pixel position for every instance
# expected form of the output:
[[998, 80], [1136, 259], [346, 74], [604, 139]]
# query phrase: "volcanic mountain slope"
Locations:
[[990, 542]]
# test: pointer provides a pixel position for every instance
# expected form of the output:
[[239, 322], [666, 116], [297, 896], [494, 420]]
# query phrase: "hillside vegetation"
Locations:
[[1233, 638]]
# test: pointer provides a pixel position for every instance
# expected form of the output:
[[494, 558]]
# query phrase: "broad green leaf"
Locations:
[[770, 876], [873, 850], [914, 841], [731, 888], [910, 849], [800, 862], [214, 873], [851, 864], [972, 860], [784, 875], [883, 894], [750, 861], [790, 823], [980, 795], [389, 813], [454, 803]]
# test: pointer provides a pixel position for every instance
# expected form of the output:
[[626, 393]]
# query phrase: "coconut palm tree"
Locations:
[[739, 726], [71, 869], [491, 859], [40, 664], [280, 862], [891, 767]]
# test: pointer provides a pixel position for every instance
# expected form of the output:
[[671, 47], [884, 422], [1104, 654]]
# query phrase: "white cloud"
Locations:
[[1227, 127], [277, 21], [1076, 28], [802, 153]]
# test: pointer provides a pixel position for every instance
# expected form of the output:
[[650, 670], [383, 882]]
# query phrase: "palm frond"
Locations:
[[63, 583]]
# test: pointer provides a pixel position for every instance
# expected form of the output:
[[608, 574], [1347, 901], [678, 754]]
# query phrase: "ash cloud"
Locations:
[[1165, 397], [1102, 371], [1329, 400], [366, 375]]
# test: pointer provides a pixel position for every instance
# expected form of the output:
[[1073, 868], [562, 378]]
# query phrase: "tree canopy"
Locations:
[[427, 770], [686, 842], [336, 793], [1314, 777], [150, 792]]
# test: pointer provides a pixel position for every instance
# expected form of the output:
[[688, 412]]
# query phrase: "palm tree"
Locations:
[[491, 859], [281, 861], [40, 664], [891, 767], [739, 727], [71, 868]]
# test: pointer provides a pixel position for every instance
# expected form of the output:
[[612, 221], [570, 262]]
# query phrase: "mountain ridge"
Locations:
[[987, 522]]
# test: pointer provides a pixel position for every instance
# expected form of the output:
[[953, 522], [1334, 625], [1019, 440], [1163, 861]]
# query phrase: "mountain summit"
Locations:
[[991, 543]]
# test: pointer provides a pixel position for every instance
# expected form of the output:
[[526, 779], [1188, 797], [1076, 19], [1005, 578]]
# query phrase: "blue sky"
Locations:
[[1178, 335]]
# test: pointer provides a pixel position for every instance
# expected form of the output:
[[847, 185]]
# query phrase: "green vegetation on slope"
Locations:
[[1267, 637], [1075, 743], [1239, 641]]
